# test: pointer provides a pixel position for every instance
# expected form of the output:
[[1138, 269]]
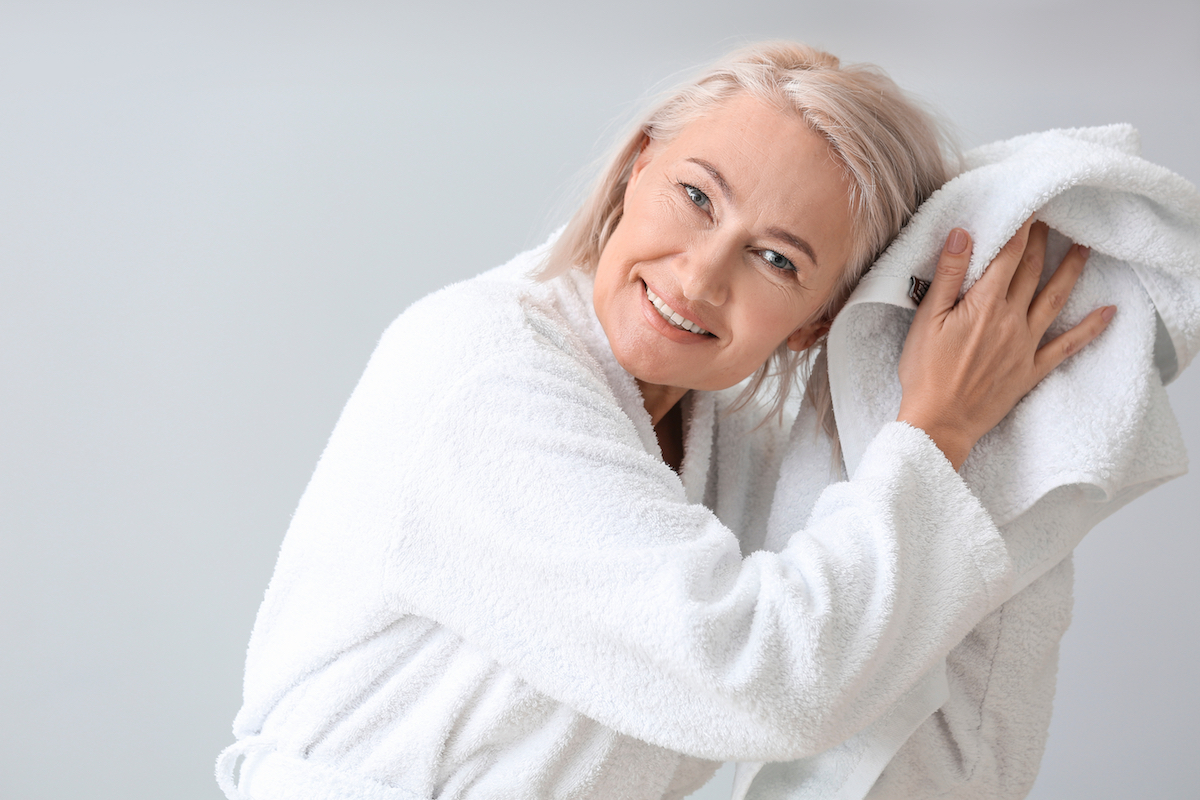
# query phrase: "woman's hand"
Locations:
[[967, 362]]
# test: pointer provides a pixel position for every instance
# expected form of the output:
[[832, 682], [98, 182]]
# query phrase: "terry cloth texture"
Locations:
[[1092, 436], [493, 586]]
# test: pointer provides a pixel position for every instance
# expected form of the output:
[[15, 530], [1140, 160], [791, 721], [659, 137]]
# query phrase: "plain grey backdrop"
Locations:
[[210, 211]]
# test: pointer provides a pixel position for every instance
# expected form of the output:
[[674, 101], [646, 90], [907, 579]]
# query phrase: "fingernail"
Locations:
[[1086, 251], [1108, 313], [957, 241]]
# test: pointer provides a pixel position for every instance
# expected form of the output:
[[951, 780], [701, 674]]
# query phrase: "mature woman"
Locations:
[[526, 567]]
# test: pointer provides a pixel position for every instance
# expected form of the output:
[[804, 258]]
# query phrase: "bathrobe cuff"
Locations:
[[947, 494]]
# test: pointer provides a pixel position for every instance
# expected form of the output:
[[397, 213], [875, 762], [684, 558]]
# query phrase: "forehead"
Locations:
[[748, 131]]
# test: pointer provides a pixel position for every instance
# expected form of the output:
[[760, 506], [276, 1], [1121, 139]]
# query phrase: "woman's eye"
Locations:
[[696, 196], [778, 260]]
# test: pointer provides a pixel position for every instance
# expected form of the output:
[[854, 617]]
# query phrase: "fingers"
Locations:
[[1029, 269], [998, 277], [951, 270], [1060, 347], [1053, 296]]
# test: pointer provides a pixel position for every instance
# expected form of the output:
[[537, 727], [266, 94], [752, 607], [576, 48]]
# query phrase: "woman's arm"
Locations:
[[484, 476], [522, 511]]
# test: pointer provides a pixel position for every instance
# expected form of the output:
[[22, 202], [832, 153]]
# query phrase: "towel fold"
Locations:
[[1092, 436]]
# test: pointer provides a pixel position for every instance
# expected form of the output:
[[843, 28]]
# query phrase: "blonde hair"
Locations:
[[889, 147]]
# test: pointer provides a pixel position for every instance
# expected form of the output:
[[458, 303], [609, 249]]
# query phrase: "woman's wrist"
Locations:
[[954, 444]]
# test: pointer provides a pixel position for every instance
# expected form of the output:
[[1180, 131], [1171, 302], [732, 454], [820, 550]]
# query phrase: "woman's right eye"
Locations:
[[696, 196]]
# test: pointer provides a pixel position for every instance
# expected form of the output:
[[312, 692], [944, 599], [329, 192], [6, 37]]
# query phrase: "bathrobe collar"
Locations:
[[699, 408]]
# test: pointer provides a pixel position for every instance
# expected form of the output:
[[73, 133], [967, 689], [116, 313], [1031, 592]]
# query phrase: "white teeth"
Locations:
[[674, 317]]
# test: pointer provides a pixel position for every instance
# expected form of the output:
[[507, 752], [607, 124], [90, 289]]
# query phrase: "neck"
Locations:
[[658, 400]]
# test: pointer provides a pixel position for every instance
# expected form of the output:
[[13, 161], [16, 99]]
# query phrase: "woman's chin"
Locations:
[[648, 372], [654, 374]]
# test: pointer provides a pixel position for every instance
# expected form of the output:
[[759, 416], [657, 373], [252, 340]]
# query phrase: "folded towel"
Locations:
[[1089, 438]]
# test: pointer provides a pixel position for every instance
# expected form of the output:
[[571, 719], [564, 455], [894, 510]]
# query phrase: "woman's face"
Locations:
[[738, 230]]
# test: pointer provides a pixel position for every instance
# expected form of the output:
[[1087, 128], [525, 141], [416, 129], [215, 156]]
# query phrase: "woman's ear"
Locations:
[[645, 156], [807, 335]]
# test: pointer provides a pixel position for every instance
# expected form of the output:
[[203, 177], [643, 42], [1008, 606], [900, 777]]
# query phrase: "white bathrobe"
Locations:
[[494, 587]]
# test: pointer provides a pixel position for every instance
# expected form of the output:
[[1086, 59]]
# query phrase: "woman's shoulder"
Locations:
[[464, 316], [499, 317]]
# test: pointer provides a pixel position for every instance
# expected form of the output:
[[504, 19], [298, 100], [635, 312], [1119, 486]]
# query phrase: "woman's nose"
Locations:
[[704, 275]]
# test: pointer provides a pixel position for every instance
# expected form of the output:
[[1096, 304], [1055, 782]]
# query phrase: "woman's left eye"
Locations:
[[778, 260], [696, 196]]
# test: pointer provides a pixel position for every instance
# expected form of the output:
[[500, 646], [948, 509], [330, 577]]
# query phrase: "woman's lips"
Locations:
[[673, 317]]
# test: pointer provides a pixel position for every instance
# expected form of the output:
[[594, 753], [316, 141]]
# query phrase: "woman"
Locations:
[[524, 565]]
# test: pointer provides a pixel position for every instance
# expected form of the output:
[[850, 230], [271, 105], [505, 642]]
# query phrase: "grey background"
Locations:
[[209, 212]]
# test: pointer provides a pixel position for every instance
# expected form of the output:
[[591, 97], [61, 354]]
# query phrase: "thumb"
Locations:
[[951, 271]]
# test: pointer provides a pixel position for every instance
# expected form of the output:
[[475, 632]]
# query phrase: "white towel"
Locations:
[[1092, 436]]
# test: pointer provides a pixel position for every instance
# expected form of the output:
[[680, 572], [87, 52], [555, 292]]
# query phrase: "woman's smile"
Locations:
[[673, 317]]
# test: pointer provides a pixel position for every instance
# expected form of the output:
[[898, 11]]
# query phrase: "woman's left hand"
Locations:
[[967, 362]]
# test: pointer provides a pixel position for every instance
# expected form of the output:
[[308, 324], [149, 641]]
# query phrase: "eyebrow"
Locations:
[[795, 242], [776, 233], [722, 184]]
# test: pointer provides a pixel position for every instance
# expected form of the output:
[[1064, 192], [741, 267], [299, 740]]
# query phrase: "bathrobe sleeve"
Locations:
[[986, 742], [484, 473]]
